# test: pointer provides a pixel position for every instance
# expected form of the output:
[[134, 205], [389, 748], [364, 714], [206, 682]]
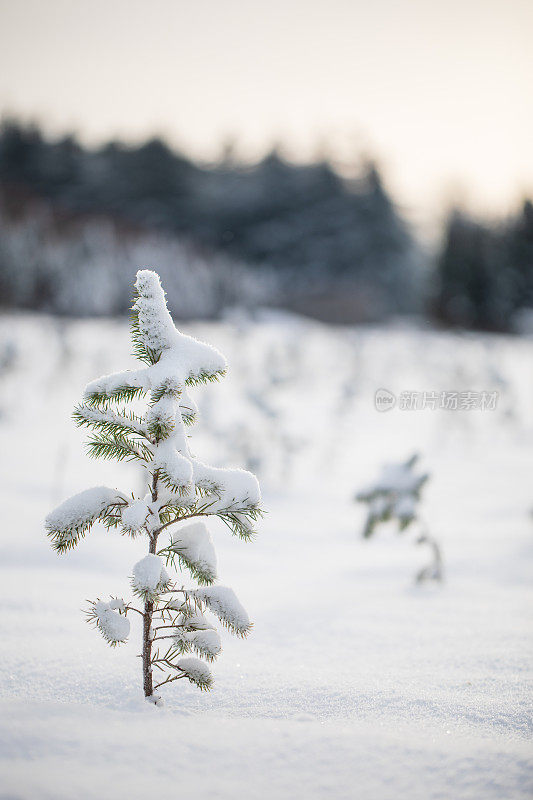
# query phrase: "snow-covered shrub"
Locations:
[[181, 493], [394, 496]]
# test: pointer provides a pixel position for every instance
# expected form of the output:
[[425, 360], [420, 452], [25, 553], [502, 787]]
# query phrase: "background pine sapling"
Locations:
[[141, 415], [395, 496]]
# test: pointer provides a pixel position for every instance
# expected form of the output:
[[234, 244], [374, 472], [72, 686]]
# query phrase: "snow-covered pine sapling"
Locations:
[[141, 415], [395, 496]]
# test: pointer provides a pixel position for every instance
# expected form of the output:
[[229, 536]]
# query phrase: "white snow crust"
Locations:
[[81, 508], [114, 626], [134, 515], [236, 488], [207, 642], [223, 602], [194, 668], [196, 621], [194, 542], [149, 574]]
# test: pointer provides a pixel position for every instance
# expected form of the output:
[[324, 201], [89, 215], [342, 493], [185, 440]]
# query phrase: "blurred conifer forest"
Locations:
[[75, 223]]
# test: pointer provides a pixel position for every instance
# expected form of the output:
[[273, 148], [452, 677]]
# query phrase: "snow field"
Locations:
[[352, 683]]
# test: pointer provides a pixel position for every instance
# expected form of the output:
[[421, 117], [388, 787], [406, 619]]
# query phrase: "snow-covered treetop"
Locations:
[[393, 495], [158, 337], [156, 328], [173, 362], [157, 439], [396, 478], [173, 358]]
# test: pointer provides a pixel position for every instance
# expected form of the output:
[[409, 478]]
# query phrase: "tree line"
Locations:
[[301, 236]]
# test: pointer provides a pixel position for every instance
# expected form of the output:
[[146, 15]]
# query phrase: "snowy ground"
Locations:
[[354, 683]]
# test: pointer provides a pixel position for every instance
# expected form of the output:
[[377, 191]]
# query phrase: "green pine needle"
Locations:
[[67, 539], [122, 394], [205, 377], [172, 555], [123, 422], [139, 348], [118, 446]]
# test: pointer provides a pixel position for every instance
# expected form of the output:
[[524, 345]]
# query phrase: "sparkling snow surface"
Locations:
[[353, 683]]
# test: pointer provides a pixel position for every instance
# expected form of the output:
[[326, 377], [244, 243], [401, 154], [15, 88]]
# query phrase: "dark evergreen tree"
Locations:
[[519, 241], [475, 284]]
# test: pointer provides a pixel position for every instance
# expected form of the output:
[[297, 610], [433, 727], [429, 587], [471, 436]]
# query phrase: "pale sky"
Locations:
[[440, 91]]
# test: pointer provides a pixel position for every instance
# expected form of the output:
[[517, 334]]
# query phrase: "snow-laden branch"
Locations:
[[71, 520]]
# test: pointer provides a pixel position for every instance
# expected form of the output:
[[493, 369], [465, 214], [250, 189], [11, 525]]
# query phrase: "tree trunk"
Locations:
[[148, 684], [147, 648]]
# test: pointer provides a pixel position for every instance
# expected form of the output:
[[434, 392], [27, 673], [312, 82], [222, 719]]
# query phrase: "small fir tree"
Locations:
[[394, 496], [182, 493]]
